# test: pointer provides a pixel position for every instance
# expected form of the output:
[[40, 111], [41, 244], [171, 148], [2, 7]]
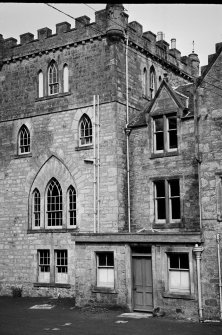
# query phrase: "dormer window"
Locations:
[[165, 133], [53, 82]]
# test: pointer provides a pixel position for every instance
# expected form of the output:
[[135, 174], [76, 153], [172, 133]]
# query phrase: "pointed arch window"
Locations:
[[65, 78], [85, 130], [36, 208], [152, 82], [145, 82], [53, 82], [71, 197], [40, 84], [54, 204], [23, 140]]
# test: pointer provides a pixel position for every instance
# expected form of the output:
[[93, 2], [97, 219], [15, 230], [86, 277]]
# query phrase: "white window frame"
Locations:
[[22, 139], [53, 83], [61, 270], [44, 260], [83, 139], [71, 208], [57, 211], [40, 84], [168, 201], [49, 264], [65, 78], [182, 272], [105, 270], [166, 134]]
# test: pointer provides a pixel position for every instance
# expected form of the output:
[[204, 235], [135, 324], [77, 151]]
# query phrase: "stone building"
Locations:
[[110, 168]]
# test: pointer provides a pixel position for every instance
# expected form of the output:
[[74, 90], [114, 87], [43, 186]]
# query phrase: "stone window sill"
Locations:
[[104, 290], [164, 154], [48, 97], [174, 295], [18, 156], [58, 230], [52, 285], [168, 225], [85, 147]]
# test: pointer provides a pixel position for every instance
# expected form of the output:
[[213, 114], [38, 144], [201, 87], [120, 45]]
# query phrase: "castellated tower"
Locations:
[[72, 223]]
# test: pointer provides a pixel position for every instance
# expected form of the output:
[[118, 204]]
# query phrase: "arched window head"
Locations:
[[144, 82], [53, 81], [54, 204], [65, 78], [40, 84], [152, 82], [71, 201], [36, 208], [24, 140], [85, 130]]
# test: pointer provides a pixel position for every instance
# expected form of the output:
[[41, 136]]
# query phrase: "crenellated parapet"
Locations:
[[110, 23]]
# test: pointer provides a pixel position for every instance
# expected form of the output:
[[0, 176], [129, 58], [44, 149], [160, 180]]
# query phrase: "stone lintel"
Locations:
[[192, 238]]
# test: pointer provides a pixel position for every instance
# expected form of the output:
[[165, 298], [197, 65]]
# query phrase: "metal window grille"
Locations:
[[24, 140], [53, 79], [36, 207], [54, 204], [85, 130], [72, 206]]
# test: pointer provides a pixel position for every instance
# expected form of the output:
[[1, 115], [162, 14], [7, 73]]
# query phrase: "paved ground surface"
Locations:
[[16, 318]]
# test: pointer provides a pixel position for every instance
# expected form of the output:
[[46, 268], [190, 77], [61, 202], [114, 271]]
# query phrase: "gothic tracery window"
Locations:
[[53, 82], [85, 130], [24, 140], [54, 204]]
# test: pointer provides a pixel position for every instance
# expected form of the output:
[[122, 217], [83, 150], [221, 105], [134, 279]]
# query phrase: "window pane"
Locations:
[[161, 209], [160, 188], [175, 207], [159, 124], [172, 122], [172, 139], [110, 259], [184, 261], [105, 277], [174, 261], [54, 203], [102, 259]]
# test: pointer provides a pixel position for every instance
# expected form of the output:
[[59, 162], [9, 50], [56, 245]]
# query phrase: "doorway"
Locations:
[[142, 282]]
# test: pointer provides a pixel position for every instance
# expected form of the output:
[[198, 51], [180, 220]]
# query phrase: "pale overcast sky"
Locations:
[[201, 23]]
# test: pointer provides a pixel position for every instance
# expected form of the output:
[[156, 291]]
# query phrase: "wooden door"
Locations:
[[142, 283]]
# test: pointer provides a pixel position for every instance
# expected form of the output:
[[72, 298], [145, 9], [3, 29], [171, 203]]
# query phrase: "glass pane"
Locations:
[[160, 188], [175, 207], [174, 261], [110, 259], [159, 124], [102, 259], [172, 123], [161, 209], [184, 261], [173, 139], [174, 187], [106, 277], [185, 280], [174, 280], [159, 141]]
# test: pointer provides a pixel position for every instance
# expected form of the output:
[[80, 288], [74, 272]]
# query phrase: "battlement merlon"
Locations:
[[112, 23]]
